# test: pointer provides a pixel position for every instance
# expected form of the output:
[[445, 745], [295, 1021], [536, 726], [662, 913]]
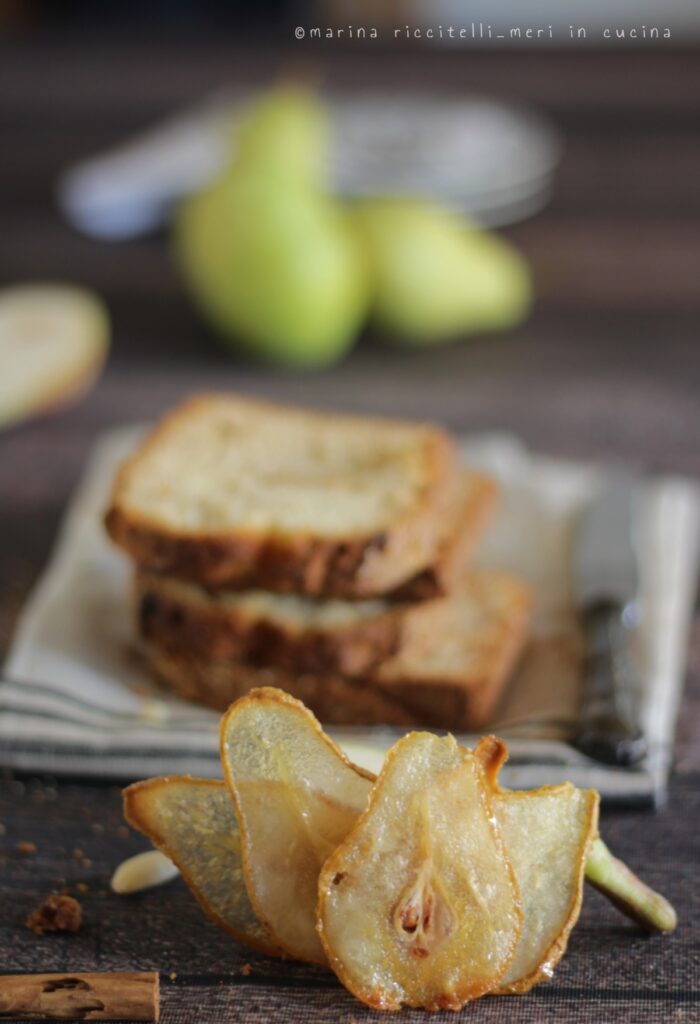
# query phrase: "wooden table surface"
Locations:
[[607, 367]]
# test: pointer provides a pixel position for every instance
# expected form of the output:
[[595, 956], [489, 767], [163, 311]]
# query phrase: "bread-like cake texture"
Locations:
[[257, 627], [454, 659], [468, 510], [229, 491], [296, 632]]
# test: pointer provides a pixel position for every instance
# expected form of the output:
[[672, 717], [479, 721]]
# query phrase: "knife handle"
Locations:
[[609, 729]]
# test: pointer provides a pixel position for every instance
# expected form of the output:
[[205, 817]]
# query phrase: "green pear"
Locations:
[[287, 130], [273, 262], [275, 265], [436, 276]]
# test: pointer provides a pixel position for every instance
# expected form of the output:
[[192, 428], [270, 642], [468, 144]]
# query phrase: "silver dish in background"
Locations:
[[491, 160]]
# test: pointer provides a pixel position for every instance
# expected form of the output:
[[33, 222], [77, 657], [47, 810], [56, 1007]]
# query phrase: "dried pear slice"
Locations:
[[296, 796], [548, 833], [419, 905], [192, 821], [610, 876]]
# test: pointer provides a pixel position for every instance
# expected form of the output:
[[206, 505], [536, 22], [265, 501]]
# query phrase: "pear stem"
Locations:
[[628, 892]]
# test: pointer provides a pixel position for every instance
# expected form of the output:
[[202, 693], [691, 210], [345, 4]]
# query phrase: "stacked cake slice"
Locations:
[[324, 554]]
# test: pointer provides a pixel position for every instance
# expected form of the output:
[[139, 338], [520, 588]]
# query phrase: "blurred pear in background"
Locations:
[[285, 271], [269, 255], [287, 131], [436, 276], [54, 340]]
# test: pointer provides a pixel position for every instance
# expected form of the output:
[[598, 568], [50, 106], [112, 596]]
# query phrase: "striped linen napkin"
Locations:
[[75, 698]]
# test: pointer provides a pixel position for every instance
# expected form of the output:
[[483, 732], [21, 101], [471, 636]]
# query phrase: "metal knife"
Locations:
[[606, 583]]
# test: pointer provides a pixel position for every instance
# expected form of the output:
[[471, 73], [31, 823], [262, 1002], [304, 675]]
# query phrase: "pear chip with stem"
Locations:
[[548, 833]]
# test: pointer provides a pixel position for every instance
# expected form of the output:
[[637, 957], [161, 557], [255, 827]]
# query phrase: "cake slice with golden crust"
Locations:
[[299, 633], [454, 657], [232, 492]]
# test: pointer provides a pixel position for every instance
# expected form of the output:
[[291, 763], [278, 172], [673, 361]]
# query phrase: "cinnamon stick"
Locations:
[[123, 996]]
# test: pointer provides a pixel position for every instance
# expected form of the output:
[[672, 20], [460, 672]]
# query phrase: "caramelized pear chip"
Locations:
[[296, 796], [548, 833], [419, 905], [192, 821]]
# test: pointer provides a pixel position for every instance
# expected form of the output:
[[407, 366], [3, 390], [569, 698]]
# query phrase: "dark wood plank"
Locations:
[[149, 72]]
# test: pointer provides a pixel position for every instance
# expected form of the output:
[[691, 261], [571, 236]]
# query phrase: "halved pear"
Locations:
[[419, 905], [296, 796], [548, 833], [192, 821], [54, 340]]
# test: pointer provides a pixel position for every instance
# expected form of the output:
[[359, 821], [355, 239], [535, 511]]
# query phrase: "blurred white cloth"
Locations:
[[76, 699]]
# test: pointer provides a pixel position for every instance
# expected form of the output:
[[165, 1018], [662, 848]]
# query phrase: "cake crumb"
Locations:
[[86, 862], [245, 970], [173, 975], [82, 887], [78, 853], [26, 849], [97, 828], [56, 914]]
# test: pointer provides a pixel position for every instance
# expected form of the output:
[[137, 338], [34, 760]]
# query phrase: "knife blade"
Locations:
[[606, 584]]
